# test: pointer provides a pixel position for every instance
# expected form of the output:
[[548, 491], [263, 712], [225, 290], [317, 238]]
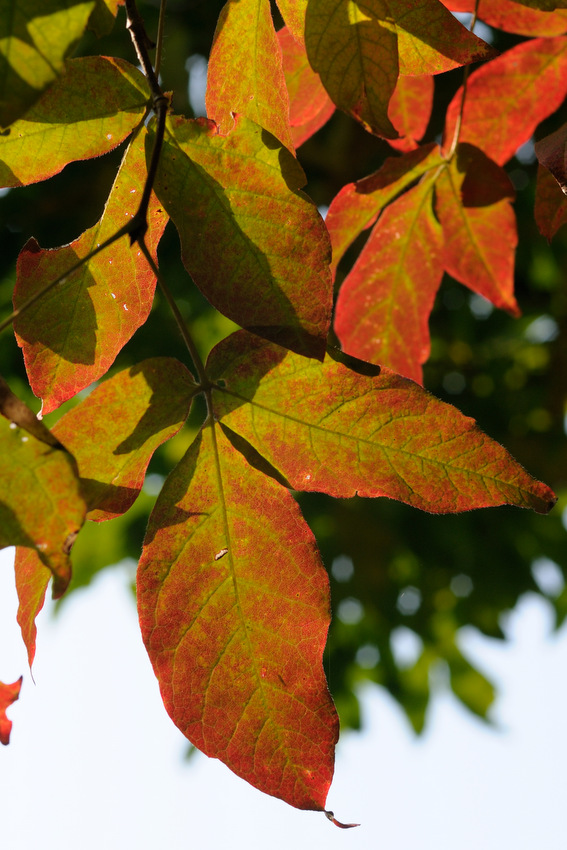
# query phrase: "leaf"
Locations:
[[245, 38], [410, 109], [550, 204], [41, 505], [293, 13], [551, 151], [354, 46], [544, 5], [366, 431], [509, 97], [114, 432], [358, 204], [32, 578], [473, 197], [234, 609], [512, 17], [103, 16], [254, 244], [35, 38], [309, 104], [71, 336], [8, 695], [384, 304], [64, 125]]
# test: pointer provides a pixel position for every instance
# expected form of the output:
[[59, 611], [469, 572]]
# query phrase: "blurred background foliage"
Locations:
[[403, 582]]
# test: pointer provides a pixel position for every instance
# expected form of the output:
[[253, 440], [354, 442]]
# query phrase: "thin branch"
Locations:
[[161, 25], [187, 338]]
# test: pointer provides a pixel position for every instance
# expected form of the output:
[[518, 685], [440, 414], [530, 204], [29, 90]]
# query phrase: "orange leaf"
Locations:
[[234, 610], [245, 38], [293, 13], [32, 578], [309, 104], [473, 197], [383, 308], [410, 110], [8, 695], [513, 17], [507, 98], [345, 427], [71, 336]]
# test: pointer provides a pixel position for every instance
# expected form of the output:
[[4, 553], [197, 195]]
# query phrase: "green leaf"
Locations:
[[100, 305], [358, 204], [114, 432], [383, 308], [66, 124], [341, 431], [234, 609], [293, 13], [473, 203], [254, 244], [245, 38], [103, 16], [35, 38], [41, 505]]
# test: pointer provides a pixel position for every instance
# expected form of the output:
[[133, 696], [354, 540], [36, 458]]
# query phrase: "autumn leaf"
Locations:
[[357, 205], [100, 305], [551, 151], [384, 303], [253, 243], [114, 432], [508, 97], [512, 17], [473, 197], [32, 579], [234, 609], [293, 13], [410, 109], [245, 38], [37, 36], [361, 429], [64, 126], [8, 695], [550, 204]]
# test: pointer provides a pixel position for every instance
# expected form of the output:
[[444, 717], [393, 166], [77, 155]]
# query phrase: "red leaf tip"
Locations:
[[332, 818]]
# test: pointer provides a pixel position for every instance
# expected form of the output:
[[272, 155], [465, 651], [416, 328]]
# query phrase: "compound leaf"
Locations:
[[234, 610]]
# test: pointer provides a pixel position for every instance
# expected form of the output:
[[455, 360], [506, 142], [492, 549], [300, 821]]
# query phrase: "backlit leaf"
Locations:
[[365, 430], [544, 5], [35, 38], [8, 695], [254, 244], [550, 204], [64, 125], [410, 109], [358, 204], [383, 308], [245, 38], [551, 151], [114, 431], [309, 104], [234, 610], [32, 578], [512, 17], [103, 16], [293, 13], [71, 336], [473, 197], [508, 97], [41, 506]]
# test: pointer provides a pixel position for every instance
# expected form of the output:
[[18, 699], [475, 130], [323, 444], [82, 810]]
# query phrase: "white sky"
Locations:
[[94, 761]]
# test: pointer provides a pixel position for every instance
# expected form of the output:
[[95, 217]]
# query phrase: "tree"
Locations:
[[232, 594]]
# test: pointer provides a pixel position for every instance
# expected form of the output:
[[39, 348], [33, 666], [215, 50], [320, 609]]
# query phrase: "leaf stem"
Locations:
[[187, 338], [161, 25], [466, 74]]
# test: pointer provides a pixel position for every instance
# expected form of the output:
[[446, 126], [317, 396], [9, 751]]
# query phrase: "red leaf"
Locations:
[[361, 429], [87, 111], [32, 578], [8, 695], [473, 197], [357, 205], [114, 432], [550, 204], [410, 109], [100, 306], [309, 104], [551, 151], [245, 38], [384, 304], [234, 610], [507, 98], [513, 17], [253, 243]]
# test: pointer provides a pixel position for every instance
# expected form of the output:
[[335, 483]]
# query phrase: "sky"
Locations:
[[94, 761]]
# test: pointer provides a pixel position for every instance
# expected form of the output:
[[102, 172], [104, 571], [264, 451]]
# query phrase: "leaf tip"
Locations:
[[331, 816]]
